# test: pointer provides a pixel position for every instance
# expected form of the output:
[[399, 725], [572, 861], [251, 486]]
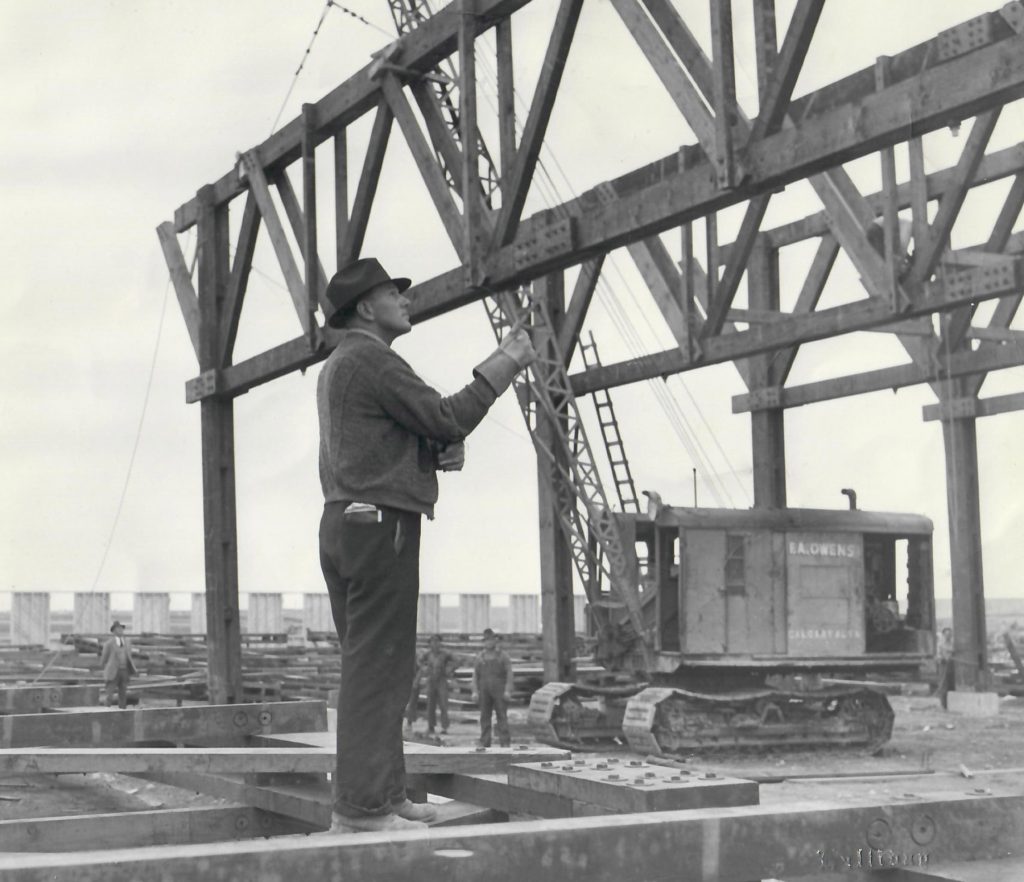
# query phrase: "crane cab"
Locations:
[[777, 590]]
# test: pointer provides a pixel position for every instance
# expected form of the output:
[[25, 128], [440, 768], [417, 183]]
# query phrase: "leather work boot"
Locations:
[[372, 824], [415, 811]]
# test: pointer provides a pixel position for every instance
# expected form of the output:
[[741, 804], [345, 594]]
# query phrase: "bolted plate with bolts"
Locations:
[[625, 785]]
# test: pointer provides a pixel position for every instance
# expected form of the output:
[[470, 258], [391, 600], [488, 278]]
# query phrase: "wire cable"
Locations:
[[302, 64], [138, 436]]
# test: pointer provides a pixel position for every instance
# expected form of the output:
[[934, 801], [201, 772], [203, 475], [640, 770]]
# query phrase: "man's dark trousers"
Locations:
[[372, 574], [492, 698]]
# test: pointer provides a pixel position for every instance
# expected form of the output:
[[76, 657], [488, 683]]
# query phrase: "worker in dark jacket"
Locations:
[[118, 667], [434, 668], [492, 689], [383, 435]]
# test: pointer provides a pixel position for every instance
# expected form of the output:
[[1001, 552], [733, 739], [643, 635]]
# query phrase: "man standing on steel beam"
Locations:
[[383, 435]]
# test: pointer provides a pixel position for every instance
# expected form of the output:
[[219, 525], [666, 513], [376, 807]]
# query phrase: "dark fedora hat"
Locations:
[[352, 282], [116, 624]]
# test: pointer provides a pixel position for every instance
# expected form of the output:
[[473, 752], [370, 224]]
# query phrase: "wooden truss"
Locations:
[[970, 71]]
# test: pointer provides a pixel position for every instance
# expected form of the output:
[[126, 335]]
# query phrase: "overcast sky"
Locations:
[[117, 112]]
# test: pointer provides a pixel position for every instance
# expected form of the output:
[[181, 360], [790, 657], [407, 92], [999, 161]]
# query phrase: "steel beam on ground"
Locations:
[[712, 845], [208, 724], [183, 826]]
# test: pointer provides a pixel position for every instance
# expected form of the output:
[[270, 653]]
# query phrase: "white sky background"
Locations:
[[117, 112]]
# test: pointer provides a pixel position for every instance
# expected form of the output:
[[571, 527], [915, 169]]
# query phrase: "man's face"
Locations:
[[490, 642], [390, 310], [118, 632]]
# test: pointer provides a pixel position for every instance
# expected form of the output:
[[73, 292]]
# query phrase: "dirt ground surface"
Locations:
[[931, 751]]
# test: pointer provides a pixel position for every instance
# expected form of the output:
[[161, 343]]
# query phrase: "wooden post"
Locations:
[[265, 614], [471, 201], [474, 612], [768, 437], [428, 614], [92, 613], [312, 265], [224, 673], [556, 563], [970, 639], [151, 613], [30, 618]]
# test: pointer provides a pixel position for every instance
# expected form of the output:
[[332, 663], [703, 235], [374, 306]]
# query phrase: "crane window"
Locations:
[[735, 563]]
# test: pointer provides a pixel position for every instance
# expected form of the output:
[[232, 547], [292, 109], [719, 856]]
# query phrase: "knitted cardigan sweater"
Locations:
[[381, 425]]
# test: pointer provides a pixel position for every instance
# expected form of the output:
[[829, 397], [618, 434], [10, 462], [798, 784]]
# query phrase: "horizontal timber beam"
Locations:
[[713, 845], [242, 760], [959, 365], [859, 316], [205, 723], [186, 826], [853, 121], [421, 50], [969, 408]]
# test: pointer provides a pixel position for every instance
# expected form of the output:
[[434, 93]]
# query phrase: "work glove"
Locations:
[[500, 367]]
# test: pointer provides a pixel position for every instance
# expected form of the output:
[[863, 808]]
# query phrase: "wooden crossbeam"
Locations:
[[184, 290], [960, 321], [260, 190], [958, 365], [204, 724], [791, 841], [355, 228], [723, 66], [795, 329], [238, 281], [517, 185], [807, 300], [766, 44], [969, 408], [725, 290], [420, 50], [429, 170], [786, 68], [689, 101], [927, 259], [579, 303], [297, 220], [184, 826], [865, 121], [506, 96]]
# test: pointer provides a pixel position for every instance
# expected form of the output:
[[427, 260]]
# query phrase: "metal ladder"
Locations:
[[622, 475]]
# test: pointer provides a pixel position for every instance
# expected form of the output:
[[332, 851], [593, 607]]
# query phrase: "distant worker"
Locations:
[[492, 688], [384, 434], [436, 665], [118, 667], [946, 667]]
